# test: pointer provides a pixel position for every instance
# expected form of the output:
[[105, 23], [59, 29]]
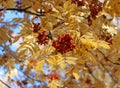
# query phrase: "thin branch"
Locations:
[[15, 57], [106, 58], [90, 72], [103, 66], [23, 10], [7, 49], [5, 84], [108, 72]]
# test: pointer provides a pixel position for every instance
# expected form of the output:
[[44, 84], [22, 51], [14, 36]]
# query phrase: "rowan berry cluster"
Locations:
[[79, 2], [95, 7], [36, 27], [42, 38], [53, 76], [64, 43]]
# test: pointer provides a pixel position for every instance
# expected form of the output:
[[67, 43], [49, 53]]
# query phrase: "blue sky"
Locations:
[[8, 18], [11, 15]]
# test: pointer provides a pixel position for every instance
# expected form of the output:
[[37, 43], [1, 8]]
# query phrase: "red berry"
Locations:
[[19, 83], [36, 27], [64, 43], [42, 38], [89, 21], [18, 3], [95, 7], [79, 2], [54, 76], [88, 81], [33, 62], [24, 82]]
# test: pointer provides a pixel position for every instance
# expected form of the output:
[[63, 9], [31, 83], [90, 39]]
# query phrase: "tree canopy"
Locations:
[[61, 43]]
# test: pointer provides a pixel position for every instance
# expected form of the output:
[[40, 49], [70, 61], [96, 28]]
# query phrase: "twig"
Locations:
[[90, 72], [15, 57], [108, 72], [7, 49], [23, 10], [5, 83], [106, 58], [105, 67]]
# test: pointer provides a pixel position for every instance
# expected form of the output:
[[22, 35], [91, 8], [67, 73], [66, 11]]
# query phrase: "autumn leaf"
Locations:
[[103, 44], [39, 65], [60, 43], [55, 84], [76, 74]]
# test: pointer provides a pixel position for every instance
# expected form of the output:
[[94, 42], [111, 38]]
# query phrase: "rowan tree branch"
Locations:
[[106, 58], [5, 83], [7, 49], [28, 76], [90, 72], [22, 10], [109, 73], [104, 67]]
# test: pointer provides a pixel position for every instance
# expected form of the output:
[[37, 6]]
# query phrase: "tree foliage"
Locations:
[[66, 44]]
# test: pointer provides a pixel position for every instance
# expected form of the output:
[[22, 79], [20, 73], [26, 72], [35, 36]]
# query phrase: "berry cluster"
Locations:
[[33, 62], [43, 38], [21, 83], [18, 3], [108, 38], [89, 20], [36, 27], [64, 43], [53, 76], [79, 2], [95, 7]]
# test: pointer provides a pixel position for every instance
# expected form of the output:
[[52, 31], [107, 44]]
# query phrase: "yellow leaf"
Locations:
[[90, 43], [103, 44], [71, 62], [17, 20], [40, 65], [52, 60], [23, 52], [61, 61], [16, 39], [71, 58], [63, 65], [76, 74], [48, 25], [68, 6], [82, 61], [55, 84], [91, 58]]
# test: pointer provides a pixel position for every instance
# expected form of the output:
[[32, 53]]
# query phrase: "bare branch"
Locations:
[[106, 58], [108, 72], [5, 84], [22, 10], [7, 49], [103, 66], [90, 72]]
